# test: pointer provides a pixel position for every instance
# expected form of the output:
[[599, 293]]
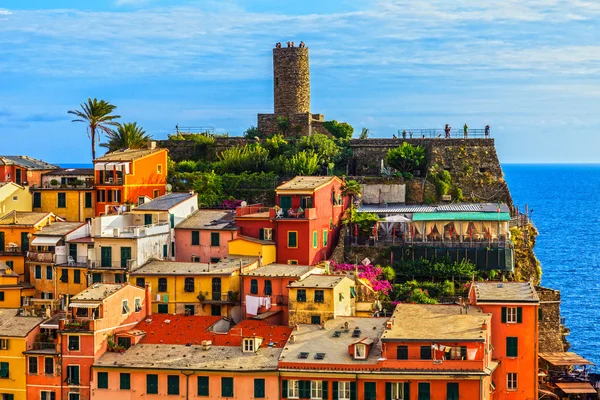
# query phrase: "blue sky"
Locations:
[[531, 69]]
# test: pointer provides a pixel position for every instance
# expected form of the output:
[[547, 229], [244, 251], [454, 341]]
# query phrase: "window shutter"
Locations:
[[203, 386], [503, 315], [305, 389], [124, 381], [259, 388], [424, 391], [388, 391], [512, 347], [352, 390], [452, 391], [463, 352], [407, 390], [519, 315], [325, 391], [102, 380], [284, 389], [334, 389], [261, 234]]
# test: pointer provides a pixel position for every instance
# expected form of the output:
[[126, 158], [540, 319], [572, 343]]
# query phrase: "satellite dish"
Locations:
[[243, 204], [168, 187]]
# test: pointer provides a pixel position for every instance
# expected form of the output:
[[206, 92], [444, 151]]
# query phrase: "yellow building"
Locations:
[[17, 334], [195, 288], [13, 294], [16, 229], [318, 298], [68, 193], [14, 197], [249, 246]]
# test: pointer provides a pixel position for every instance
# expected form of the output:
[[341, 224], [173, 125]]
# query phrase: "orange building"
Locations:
[[514, 308], [129, 177], [23, 170]]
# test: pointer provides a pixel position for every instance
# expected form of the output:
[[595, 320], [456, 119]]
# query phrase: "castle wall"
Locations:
[[291, 80]]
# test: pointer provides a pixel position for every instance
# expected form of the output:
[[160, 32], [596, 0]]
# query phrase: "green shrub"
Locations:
[[303, 163], [406, 158], [250, 158], [185, 166], [365, 221], [420, 296], [388, 273], [276, 145], [321, 145], [339, 130], [443, 268], [407, 175]]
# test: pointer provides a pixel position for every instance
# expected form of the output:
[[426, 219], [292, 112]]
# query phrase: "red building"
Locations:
[[23, 170], [305, 222], [129, 176]]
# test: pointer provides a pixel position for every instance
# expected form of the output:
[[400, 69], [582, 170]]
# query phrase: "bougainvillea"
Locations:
[[373, 274]]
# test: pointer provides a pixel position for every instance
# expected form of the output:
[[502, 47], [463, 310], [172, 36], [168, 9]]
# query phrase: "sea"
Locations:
[[565, 208]]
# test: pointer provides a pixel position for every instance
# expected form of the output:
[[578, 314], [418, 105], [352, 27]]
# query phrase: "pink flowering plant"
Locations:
[[372, 273]]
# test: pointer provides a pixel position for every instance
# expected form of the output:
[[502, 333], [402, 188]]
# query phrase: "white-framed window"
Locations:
[[268, 233], [125, 307], [398, 391], [316, 389], [46, 395], [73, 343], [3, 344], [344, 390], [293, 389], [511, 381], [249, 345], [511, 315], [73, 375], [137, 304], [360, 351]]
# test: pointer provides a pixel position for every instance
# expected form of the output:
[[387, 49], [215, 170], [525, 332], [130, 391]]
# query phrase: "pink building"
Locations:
[[203, 236]]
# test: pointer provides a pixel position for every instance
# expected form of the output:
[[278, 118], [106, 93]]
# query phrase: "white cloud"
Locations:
[[120, 3]]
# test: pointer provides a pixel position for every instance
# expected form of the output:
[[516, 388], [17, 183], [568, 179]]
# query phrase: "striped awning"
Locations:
[[92, 304], [462, 216]]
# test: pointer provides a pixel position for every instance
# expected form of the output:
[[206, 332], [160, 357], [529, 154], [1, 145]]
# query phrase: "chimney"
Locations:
[[148, 299], [152, 145]]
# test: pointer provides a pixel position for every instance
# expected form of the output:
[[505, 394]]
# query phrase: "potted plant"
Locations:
[[201, 296], [54, 182], [79, 183]]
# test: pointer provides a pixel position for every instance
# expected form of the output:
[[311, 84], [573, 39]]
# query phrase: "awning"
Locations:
[[564, 358], [461, 216], [576, 387], [85, 305], [397, 218], [45, 240], [49, 325], [100, 166]]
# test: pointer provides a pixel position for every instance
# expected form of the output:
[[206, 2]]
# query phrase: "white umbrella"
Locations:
[[397, 218]]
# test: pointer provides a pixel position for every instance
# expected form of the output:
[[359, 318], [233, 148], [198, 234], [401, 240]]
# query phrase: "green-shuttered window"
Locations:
[[215, 239], [88, 200], [4, 370], [424, 391], [452, 391], [425, 352], [512, 347], [151, 384], [203, 386], [173, 384], [301, 295], [37, 200], [325, 238], [319, 296], [402, 352], [62, 200], [102, 380], [259, 388], [315, 239], [292, 239], [370, 391], [124, 381], [195, 238], [226, 387], [253, 286]]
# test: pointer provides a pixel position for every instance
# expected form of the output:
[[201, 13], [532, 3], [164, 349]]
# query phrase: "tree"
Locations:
[[325, 148], [97, 114], [339, 130], [304, 163], [406, 158], [364, 133], [283, 124], [127, 136]]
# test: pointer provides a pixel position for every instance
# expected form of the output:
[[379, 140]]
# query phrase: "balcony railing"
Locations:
[[135, 231], [441, 133], [44, 346], [118, 265], [41, 256], [8, 250], [219, 297], [502, 242], [79, 324]]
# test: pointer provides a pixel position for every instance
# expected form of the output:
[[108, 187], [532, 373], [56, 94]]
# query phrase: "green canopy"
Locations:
[[462, 216]]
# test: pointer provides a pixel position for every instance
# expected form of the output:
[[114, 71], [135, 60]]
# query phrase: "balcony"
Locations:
[[219, 298], [11, 251], [136, 231], [466, 242], [444, 366], [41, 256], [79, 325], [79, 261], [259, 211], [112, 265]]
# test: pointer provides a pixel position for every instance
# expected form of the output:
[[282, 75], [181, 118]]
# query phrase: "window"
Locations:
[[226, 387], [315, 239], [109, 196], [37, 200], [163, 308], [64, 275], [370, 391], [125, 307], [343, 390], [425, 352], [82, 312], [188, 285], [155, 193], [292, 239], [360, 351], [45, 395], [249, 345], [315, 319], [165, 251], [74, 343], [76, 276], [3, 344], [402, 352], [151, 384], [512, 315], [215, 310], [268, 287], [62, 200], [424, 391], [195, 238], [511, 381], [203, 386], [33, 365], [73, 375], [173, 384], [49, 365], [215, 239], [316, 389], [124, 341], [141, 282], [293, 262], [102, 380], [301, 295], [10, 264], [189, 309], [100, 196], [74, 396], [319, 296], [293, 389], [38, 272], [325, 238], [259, 388], [512, 347], [162, 284], [4, 370], [253, 286], [452, 391], [49, 272], [124, 381], [214, 260], [458, 353], [159, 168], [265, 234], [88, 200], [395, 391], [137, 303]]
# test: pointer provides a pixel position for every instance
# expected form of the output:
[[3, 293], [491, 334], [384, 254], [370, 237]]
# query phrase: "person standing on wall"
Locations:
[[466, 130], [487, 131], [447, 130]]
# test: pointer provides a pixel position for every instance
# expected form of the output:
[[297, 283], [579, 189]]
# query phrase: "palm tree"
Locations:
[[364, 133], [127, 136], [97, 114]]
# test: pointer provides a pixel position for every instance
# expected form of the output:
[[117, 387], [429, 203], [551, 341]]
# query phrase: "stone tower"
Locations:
[[291, 80], [291, 94]]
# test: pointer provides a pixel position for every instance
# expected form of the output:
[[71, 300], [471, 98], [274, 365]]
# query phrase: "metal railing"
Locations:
[[11, 250], [465, 243], [199, 130], [441, 133], [44, 346]]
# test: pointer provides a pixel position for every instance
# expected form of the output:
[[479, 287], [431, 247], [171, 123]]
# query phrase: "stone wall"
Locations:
[[551, 332], [291, 80], [300, 124], [383, 193]]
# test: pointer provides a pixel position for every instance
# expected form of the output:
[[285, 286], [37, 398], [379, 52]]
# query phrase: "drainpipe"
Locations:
[[480, 387], [187, 383]]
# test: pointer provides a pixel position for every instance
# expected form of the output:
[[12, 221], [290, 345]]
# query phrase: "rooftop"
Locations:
[[254, 240], [127, 154], [59, 228], [334, 341], [210, 220], [13, 325], [564, 359], [226, 266], [394, 208], [71, 172], [4, 267], [165, 202], [276, 270], [26, 162], [511, 292], [193, 357], [23, 218], [319, 281], [434, 322], [98, 292], [309, 183]]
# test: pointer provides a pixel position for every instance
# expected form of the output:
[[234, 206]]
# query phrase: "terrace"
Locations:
[[259, 211]]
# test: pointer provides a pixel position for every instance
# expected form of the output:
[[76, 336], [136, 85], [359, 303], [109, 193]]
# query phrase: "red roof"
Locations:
[[182, 329]]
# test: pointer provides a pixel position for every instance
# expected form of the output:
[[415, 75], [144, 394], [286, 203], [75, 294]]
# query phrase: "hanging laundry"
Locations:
[[448, 349], [252, 304], [471, 354], [442, 347]]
